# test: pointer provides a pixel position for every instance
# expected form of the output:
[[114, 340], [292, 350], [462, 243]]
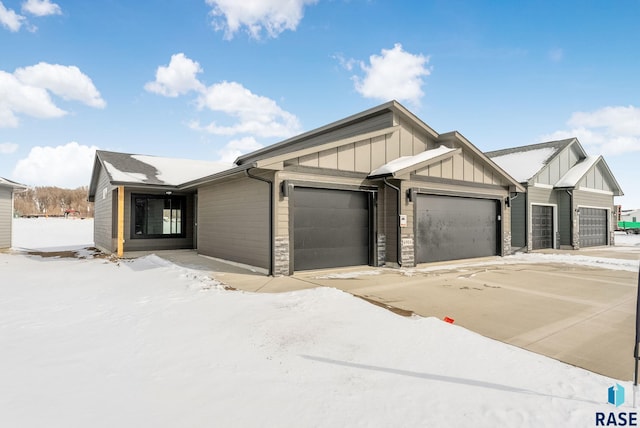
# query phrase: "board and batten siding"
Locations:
[[233, 221], [368, 154], [6, 216], [464, 166], [559, 166], [595, 179], [103, 224], [373, 123]]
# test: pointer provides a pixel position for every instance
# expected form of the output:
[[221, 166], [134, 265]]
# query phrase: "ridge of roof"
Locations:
[[557, 144]]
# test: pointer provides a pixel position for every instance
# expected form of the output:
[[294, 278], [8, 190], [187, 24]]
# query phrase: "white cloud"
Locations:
[[67, 82], [18, 98], [255, 114], [178, 78], [67, 166], [9, 19], [27, 91], [272, 16], [395, 74], [41, 7], [250, 114], [235, 148], [8, 148], [609, 130]]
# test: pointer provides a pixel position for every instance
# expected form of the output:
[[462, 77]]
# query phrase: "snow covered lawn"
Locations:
[[145, 343]]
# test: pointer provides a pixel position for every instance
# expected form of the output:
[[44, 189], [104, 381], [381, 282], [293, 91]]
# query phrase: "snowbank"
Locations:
[[147, 343]]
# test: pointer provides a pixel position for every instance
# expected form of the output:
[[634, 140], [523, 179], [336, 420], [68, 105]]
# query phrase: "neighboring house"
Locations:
[[7, 189], [376, 188], [569, 198], [632, 216]]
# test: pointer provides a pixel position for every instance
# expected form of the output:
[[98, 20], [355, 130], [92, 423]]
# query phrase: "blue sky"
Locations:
[[211, 79]]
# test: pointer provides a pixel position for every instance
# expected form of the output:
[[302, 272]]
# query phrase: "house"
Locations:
[[630, 216], [377, 188], [7, 189], [569, 198], [628, 220]]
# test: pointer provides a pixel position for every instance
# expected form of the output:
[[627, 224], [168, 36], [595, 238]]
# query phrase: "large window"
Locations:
[[157, 216]]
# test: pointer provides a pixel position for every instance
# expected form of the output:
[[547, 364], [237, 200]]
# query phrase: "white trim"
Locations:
[[603, 192], [555, 229], [543, 186], [593, 206]]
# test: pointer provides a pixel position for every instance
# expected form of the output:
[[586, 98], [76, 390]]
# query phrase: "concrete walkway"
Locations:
[[584, 316]]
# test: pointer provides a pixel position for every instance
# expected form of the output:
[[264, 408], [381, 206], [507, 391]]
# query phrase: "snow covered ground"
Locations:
[[145, 343]]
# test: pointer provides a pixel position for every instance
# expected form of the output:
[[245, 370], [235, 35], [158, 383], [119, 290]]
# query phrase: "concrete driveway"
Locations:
[[582, 315]]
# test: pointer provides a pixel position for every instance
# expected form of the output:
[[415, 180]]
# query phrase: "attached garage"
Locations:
[[542, 226], [450, 227], [331, 228], [593, 227]]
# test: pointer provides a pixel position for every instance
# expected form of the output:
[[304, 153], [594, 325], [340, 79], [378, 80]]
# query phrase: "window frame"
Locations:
[[181, 199]]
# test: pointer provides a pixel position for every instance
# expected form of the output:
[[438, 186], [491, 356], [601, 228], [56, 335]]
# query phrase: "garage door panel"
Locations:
[[450, 228], [593, 227], [331, 228], [542, 226]]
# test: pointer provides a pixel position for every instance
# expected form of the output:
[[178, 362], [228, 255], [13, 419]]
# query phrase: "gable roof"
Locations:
[[579, 170], [525, 162], [378, 118], [370, 123], [4, 182], [131, 169]]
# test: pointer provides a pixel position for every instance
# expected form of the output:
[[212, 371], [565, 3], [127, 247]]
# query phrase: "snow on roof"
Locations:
[[178, 171], [408, 161], [154, 170], [127, 177], [524, 165], [571, 178]]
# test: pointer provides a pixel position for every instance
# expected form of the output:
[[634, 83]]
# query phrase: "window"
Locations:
[[157, 216]]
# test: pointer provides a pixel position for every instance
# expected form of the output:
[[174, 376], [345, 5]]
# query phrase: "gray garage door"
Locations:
[[542, 226], [593, 227], [330, 228], [449, 228]]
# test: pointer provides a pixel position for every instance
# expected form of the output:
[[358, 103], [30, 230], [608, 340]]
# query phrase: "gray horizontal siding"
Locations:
[[519, 221], [103, 225], [6, 199], [233, 221], [539, 195], [592, 199]]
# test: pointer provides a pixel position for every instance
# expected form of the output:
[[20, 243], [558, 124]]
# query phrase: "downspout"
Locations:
[[271, 237], [398, 204]]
